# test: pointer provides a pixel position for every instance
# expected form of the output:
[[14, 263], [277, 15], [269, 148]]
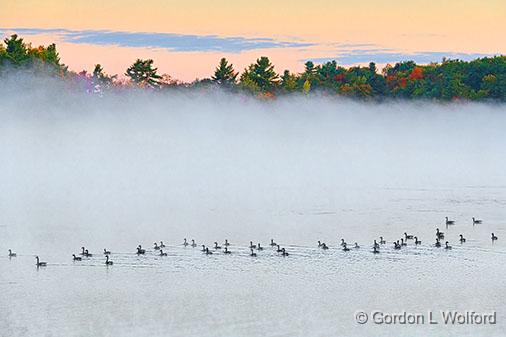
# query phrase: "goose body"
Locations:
[[194, 244], [382, 241], [140, 251], [185, 243], [273, 244], [494, 238], [439, 235], [449, 222], [203, 248], [156, 247], [82, 251], [462, 239], [417, 242], [447, 246], [162, 253], [438, 243], [343, 243], [397, 245], [259, 247], [162, 245], [107, 261], [375, 250], [11, 253], [476, 221], [324, 246], [226, 243], [403, 243], [208, 252], [252, 253], [251, 245], [284, 253], [216, 247], [39, 263], [408, 237], [279, 250], [87, 254], [356, 246], [76, 258], [226, 251], [345, 248]]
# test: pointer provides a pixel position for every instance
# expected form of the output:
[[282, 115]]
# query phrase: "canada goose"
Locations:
[[87, 254], [382, 242], [162, 245], [226, 243], [39, 263], [476, 221], [356, 246], [251, 245], [447, 246], [107, 261], [273, 244], [439, 235], [319, 243], [252, 253], [343, 243], [375, 250], [403, 243], [417, 242], [279, 250], [462, 239], [397, 245], [345, 248], [408, 237], [156, 247], [203, 248], [82, 251], [216, 247], [77, 258], [259, 247], [11, 253], [494, 238], [208, 252], [194, 244], [226, 251], [106, 252], [324, 246], [284, 253], [438, 243], [162, 253], [140, 251], [375, 244], [185, 243], [449, 222]]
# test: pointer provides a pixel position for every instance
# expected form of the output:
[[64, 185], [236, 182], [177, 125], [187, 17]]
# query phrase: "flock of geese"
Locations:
[[398, 244]]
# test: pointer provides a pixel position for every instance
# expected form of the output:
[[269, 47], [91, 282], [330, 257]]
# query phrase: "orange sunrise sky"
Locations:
[[187, 38]]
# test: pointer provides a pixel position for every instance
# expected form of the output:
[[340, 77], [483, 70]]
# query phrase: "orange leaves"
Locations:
[[416, 74]]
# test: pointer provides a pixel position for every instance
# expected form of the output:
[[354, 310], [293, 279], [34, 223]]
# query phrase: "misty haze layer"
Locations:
[[207, 163]]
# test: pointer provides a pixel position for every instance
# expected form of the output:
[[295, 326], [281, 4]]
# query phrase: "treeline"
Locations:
[[480, 79]]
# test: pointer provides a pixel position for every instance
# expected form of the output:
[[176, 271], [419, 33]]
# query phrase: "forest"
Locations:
[[482, 79]]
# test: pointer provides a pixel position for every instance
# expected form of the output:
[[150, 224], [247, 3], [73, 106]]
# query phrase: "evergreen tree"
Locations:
[[262, 74], [142, 73], [224, 73]]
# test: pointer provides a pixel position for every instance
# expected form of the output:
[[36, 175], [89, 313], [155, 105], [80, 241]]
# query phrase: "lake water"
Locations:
[[328, 171]]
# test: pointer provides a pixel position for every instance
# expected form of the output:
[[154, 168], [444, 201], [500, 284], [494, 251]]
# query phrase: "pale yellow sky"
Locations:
[[464, 26]]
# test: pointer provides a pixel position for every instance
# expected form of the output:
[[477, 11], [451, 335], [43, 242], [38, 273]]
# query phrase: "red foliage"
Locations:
[[416, 74], [340, 77], [402, 82]]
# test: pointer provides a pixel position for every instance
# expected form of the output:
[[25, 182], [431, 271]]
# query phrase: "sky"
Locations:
[[186, 39]]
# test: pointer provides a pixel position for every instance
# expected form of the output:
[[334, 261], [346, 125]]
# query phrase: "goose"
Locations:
[[194, 244], [319, 243], [476, 221], [82, 251], [140, 251], [203, 248], [438, 243], [156, 247], [162, 245], [107, 261], [494, 238], [449, 222], [185, 243], [208, 252], [403, 243], [417, 242], [375, 250], [162, 253], [252, 253], [226, 243], [259, 247], [324, 246], [226, 251], [216, 247], [375, 244], [356, 246], [284, 253], [382, 241], [462, 239], [106, 252], [447, 246], [11, 253], [408, 237], [439, 235], [39, 263], [251, 245], [397, 245], [273, 244], [345, 248], [343, 243], [77, 258], [87, 254], [279, 250]]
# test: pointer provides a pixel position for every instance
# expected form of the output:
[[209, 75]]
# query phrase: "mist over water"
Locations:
[[135, 167]]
